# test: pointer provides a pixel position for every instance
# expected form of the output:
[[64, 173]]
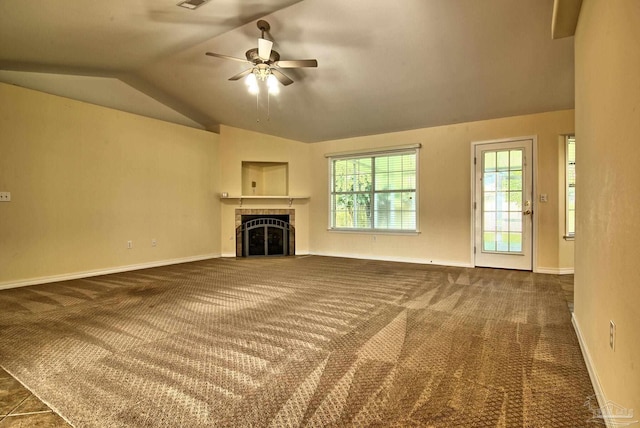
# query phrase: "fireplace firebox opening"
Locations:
[[264, 234]]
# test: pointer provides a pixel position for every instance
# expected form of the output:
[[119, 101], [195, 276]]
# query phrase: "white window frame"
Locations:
[[390, 151], [568, 234]]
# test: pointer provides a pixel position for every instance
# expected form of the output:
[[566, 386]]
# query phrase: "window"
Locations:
[[503, 188], [570, 202], [374, 192]]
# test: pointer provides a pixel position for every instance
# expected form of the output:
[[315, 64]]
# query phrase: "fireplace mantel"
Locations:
[[240, 198]]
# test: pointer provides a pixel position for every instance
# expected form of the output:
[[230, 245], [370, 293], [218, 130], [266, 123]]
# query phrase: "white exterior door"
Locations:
[[503, 204]]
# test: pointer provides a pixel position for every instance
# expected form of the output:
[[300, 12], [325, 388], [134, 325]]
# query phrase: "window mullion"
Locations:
[[333, 206], [372, 192]]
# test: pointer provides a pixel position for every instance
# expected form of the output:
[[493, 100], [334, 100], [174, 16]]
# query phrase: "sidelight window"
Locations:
[[570, 201]]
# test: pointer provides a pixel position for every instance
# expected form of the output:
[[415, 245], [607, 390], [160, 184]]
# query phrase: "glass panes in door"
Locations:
[[502, 201]]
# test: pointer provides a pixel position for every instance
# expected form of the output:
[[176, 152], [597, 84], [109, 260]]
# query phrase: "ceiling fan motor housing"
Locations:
[[252, 56]]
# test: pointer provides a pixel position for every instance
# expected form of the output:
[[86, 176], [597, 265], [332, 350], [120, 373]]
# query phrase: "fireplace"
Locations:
[[267, 232]]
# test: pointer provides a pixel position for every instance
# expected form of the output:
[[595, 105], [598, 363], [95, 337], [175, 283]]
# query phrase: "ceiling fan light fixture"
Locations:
[[261, 71], [273, 85], [251, 80], [253, 89], [252, 84]]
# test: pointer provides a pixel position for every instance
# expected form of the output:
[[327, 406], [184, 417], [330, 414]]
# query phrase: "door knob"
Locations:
[[527, 212]]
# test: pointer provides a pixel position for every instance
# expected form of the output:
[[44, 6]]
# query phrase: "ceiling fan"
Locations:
[[265, 61]]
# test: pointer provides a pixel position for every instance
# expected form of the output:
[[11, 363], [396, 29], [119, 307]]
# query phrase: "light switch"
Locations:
[[543, 197], [5, 196]]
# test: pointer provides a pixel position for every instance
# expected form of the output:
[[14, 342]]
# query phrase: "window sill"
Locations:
[[569, 237]]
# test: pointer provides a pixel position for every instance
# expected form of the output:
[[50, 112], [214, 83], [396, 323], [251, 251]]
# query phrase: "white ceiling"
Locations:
[[383, 66]]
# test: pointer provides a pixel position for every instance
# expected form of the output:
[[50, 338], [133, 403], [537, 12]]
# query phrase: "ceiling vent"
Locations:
[[192, 4]]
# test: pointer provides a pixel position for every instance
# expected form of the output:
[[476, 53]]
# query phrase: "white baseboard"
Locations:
[[597, 388], [394, 259], [555, 271], [98, 272]]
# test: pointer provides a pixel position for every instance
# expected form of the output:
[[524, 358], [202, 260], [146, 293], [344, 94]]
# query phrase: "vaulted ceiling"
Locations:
[[383, 66]]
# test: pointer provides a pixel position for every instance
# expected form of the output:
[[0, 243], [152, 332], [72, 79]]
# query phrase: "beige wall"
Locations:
[[608, 193], [445, 186], [238, 145], [86, 179]]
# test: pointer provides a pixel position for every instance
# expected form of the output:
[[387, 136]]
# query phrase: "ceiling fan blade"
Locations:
[[282, 78], [296, 63], [233, 58], [241, 74], [264, 48]]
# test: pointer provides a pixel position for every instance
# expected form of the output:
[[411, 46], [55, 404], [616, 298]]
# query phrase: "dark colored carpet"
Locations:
[[306, 341]]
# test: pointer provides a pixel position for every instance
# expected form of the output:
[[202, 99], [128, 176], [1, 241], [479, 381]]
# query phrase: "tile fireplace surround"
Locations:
[[265, 211]]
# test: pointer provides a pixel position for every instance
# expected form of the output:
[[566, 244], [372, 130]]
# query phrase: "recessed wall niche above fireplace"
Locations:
[[265, 178], [265, 232]]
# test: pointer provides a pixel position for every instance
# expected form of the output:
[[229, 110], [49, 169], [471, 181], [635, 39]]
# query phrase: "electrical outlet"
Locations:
[[544, 197], [5, 196], [612, 335], [129, 244], [154, 242]]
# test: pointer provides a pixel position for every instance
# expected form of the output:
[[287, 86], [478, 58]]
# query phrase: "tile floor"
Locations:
[[20, 408]]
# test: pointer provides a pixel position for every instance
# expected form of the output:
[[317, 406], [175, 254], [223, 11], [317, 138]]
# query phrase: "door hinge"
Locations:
[[475, 161], [474, 250], [475, 205]]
